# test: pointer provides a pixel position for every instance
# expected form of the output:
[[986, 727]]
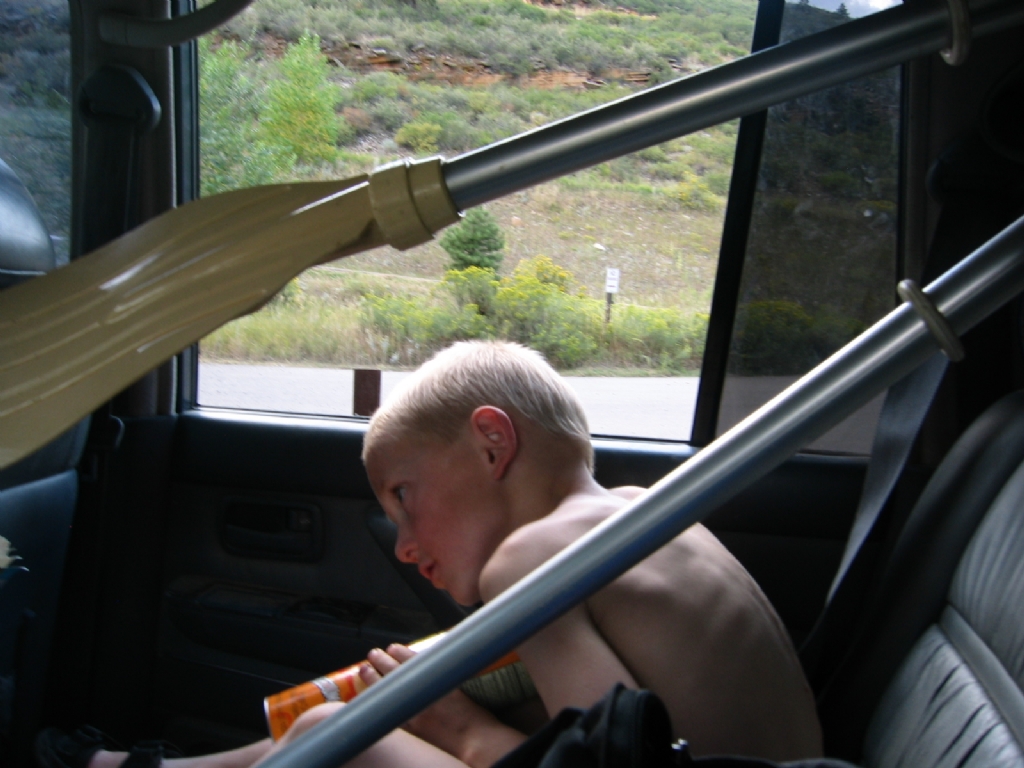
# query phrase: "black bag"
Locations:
[[626, 729]]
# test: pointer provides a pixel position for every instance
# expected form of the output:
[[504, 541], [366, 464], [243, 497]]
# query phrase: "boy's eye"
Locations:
[[400, 493]]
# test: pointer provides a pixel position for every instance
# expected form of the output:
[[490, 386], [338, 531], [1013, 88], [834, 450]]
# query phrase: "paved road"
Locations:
[[653, 407], [631, 407]]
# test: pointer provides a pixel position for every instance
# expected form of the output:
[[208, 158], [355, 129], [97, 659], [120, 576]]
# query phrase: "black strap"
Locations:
[[903, 411], [906, 404]]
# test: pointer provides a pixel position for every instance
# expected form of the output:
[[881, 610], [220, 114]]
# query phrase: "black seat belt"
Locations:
[[902, 414], [980, 191]]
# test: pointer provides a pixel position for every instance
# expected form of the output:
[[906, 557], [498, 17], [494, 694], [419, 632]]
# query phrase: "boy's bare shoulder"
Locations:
[[536, 543]]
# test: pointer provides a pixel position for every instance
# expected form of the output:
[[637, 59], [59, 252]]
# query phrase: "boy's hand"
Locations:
[[454, 723]]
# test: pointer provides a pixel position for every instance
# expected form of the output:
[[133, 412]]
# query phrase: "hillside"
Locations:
[[511, 38]]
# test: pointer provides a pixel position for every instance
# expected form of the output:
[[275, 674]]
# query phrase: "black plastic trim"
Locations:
[[186, 137], [742, 189]]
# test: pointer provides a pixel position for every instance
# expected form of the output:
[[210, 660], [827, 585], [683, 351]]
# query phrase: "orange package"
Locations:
[[282, 709]]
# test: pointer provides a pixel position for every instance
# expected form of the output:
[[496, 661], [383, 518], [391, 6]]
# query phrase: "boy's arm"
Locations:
[[455, 723], [571, 663]]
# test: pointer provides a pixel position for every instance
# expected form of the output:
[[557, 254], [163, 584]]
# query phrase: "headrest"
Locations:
[[26, 251], [25, 247]]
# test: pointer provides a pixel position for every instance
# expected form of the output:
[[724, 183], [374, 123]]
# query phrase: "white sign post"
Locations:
[[611, 287]]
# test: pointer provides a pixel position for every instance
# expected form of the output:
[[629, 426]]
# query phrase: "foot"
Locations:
[[91, 748]]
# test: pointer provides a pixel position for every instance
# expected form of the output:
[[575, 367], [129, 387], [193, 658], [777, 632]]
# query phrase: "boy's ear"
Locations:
[[495, 434]]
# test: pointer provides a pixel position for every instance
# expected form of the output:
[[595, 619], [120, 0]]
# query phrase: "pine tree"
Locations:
[[475, 242]]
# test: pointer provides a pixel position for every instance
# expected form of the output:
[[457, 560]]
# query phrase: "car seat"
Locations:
[[37, 501], [935, 678]]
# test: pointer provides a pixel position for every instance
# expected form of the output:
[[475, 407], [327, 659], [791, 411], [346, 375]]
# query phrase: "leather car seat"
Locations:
[[936, 677], [37, 501]]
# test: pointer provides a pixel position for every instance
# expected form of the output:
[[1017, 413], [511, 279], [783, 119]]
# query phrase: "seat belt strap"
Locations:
[[903, 412]]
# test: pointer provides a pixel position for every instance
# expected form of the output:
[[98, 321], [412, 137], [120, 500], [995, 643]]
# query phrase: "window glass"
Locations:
[[294, 90], [35, 107], [821, 257]]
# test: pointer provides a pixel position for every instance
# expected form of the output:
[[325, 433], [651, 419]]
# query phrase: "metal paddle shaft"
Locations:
[[741, 87], [879, 357]]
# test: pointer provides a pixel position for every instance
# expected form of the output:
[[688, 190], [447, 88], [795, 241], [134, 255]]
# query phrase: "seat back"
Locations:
[[957, 699], [936, 678], [37, 502]]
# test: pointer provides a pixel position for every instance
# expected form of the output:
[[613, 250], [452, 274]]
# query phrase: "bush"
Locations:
[[412, 331], [40, 79], [565, 328], [693, 193], [475, 242], [473, 286], [773, 338], [545, 270], [421, 137], [300, 106], [233, 152], [653, 337]]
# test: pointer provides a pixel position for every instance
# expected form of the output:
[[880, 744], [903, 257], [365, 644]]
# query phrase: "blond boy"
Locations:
[[482, 459]]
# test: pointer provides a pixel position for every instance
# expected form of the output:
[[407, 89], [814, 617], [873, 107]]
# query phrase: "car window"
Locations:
[[820, 262], [35, 107], [331, 92], [608, 272]]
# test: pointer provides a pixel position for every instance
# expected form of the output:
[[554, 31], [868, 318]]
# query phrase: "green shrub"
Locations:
[[694, 193], [411, 331], [477, 241], [473, 286], [718, 182], [665, 339], [547, 272], [565, 328], [40, 78], [300, 110], [291, 295], [831, 330], [840, 183], [773, 338], [419, 136], [233, 153]]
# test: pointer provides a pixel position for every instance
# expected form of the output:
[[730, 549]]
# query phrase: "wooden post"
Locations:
[[365, 392], [611, 287]]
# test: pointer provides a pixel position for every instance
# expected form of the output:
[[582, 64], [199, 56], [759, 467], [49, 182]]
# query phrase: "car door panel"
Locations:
[[275, 570], [788, 529]]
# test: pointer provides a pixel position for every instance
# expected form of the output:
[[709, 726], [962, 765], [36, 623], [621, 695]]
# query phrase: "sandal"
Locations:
[[58, 749]]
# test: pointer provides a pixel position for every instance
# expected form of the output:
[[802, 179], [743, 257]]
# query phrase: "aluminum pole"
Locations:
[[879, 357], [732, 90]]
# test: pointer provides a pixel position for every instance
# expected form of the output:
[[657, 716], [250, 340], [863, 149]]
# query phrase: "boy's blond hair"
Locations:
[[440, 396]]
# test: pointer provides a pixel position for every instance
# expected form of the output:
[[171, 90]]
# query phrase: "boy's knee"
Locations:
[[309, 718]]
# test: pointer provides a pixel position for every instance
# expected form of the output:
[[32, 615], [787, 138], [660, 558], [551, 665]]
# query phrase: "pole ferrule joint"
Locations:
[[410, 201], [936, 322]]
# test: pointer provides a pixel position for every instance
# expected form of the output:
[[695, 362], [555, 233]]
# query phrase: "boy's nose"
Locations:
[[405, 549]]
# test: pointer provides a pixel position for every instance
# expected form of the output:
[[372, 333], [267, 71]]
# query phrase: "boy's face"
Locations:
[[440, 498]]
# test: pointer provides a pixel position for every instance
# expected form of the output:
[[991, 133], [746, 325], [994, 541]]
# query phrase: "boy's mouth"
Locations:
[[427, 571]]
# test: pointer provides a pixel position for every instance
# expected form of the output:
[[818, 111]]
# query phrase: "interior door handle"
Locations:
[[277, 531]]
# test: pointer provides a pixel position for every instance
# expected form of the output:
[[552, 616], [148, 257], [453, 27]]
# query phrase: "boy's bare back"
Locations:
[[687, 623]]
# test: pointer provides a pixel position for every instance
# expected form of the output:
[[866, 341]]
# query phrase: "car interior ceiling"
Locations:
[[134, 618]]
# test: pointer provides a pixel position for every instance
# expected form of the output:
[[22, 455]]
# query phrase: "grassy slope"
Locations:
[[627, 214], [667, 251]]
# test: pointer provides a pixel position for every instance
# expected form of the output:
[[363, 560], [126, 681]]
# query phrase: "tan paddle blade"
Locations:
[[71, 340]]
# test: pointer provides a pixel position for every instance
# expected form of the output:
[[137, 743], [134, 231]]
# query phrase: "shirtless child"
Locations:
[[483, 461]]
